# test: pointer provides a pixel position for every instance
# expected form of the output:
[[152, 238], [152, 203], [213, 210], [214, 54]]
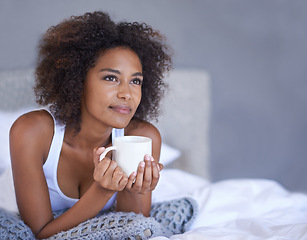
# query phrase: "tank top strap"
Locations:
[[56, 145]]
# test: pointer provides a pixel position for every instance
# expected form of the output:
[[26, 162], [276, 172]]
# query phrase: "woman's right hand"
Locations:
[[107, 173]]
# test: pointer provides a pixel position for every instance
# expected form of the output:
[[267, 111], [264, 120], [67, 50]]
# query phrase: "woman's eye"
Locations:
[[110, 78], [137, 81]]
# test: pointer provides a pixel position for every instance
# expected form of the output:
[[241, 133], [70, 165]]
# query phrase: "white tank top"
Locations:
[[58, 199]]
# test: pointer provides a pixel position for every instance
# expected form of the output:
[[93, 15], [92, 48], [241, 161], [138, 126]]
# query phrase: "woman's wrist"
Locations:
[[102, 191], [133, 202]]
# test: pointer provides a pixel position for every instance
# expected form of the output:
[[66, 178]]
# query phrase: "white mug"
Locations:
[[129, 152]]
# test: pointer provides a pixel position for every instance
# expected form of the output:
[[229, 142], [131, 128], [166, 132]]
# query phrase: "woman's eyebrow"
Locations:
[[137, 74], [118, 72], [110, 70]]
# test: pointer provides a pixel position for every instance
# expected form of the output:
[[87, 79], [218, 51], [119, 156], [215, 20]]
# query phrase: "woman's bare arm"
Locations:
[[136, 197], [30, 140]]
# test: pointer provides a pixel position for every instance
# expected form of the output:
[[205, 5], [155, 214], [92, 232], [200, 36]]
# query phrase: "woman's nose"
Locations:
[[124, 91]]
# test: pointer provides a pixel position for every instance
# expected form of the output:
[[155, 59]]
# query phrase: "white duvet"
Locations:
[[243, 209]]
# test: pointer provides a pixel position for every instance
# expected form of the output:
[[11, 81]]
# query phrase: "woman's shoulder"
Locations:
[[30, 138], [34, 123], [139, 127]]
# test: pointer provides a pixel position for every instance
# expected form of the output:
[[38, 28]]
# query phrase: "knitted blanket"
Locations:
[[167, 218]]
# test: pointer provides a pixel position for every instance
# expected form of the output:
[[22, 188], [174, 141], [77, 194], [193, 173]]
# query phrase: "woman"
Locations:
[[99, 79]]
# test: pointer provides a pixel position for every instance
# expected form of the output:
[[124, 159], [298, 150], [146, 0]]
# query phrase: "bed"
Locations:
[[245, 209]]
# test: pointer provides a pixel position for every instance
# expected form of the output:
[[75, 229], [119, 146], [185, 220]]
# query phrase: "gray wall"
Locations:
[[254, 50]]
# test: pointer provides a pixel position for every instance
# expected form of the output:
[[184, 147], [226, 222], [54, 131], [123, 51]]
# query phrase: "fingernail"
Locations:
[[152, 159], [142, 164], [158, 167], [147, 157]]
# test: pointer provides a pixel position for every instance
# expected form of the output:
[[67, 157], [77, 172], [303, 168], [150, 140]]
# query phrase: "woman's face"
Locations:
[[112, 90]]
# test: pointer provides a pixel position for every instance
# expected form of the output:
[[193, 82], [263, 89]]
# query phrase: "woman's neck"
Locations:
[[88, 137]]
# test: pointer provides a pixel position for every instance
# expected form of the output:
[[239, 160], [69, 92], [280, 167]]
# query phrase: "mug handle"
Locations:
[[103, 155]]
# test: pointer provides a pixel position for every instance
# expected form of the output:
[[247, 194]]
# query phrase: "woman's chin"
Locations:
[[121, 124]]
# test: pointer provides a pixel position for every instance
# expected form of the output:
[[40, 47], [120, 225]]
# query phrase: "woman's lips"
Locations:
[[122, 109]]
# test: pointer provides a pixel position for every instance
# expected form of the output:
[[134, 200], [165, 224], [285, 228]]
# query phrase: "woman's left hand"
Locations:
[[146, 178]]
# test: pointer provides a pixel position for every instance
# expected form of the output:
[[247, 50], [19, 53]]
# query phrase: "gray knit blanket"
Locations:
[[166, 219]]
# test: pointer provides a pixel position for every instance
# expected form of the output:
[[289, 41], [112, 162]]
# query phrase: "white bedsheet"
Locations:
[[242, 209]]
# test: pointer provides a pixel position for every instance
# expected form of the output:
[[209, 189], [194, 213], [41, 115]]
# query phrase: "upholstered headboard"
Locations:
[[184, 121]]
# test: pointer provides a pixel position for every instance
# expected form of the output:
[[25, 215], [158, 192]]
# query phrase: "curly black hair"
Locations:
[[68, 50]]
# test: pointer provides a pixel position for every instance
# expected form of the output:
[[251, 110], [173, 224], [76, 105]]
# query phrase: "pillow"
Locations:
[[7, 196], [168, 154]]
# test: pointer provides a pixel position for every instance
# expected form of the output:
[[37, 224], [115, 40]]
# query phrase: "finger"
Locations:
[[117, 175], [111, 168], [155, 169], [160, 166], [123, 181], [155, 175], [96, 154], [119, 179], [139, 177], [131, 180], [101, 168], [148, 172]]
